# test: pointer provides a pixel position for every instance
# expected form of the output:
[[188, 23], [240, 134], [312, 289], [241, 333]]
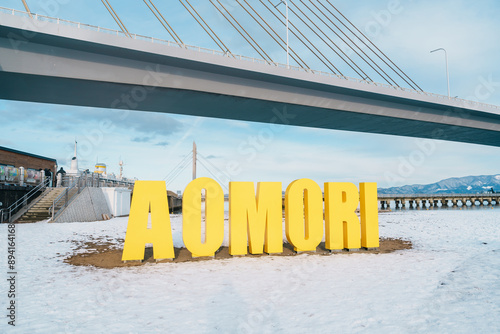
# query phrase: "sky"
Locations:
[[151, 145]]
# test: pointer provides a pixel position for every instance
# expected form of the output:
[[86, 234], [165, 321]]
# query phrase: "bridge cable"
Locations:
[[367, 39], [116, 18], [266, 57], [171, 31], [27, 8], [335, 70], [177, 173], [215, 38], [302, 41], [214, 176], [343, 40], [349, 38], [224, 174], [179, 168], [243, 29], [187, 157], [293, 54], [364, 76]]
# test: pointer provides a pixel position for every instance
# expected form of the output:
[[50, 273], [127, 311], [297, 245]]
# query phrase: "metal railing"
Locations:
[[7, 214], [62, 201], [77, 184], [226, 54]]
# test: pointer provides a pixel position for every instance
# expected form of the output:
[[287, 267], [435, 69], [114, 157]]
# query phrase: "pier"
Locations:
[[434, 200]]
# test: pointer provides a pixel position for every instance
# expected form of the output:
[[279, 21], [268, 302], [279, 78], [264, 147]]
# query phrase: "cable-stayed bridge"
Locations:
[[50, 60]]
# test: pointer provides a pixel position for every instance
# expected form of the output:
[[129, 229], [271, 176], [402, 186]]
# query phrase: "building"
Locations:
[[11, 157], [14, 158], [11, 187]]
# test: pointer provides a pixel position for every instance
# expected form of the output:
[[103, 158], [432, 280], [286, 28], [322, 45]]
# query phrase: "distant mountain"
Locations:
[[455, 185]]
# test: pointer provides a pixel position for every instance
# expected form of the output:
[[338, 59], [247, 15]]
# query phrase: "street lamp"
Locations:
[[287, 47], [447, 73]]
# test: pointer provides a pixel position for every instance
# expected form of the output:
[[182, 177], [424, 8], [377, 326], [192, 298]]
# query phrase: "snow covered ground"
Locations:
[[449, 283]]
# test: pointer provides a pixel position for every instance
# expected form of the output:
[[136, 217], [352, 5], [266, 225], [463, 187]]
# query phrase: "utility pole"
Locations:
[[447, 72], [194, 160], [287, 31]]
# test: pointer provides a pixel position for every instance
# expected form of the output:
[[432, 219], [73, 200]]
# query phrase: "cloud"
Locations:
[[78, 120], [162, 143], [141, 139]]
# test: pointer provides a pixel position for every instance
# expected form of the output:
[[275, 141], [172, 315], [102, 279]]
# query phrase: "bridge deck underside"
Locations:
[[71, 67], [102, 94]]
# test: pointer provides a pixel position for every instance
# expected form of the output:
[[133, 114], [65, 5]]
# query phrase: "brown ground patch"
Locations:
[[105, 255]]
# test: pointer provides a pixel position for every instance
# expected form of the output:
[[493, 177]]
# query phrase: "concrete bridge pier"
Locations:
[[454, 203]]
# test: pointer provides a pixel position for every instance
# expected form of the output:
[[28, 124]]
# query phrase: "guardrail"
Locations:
[[6, 214], [226, 54]]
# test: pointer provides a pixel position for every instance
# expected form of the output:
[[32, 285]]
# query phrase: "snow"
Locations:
[[449, 282]]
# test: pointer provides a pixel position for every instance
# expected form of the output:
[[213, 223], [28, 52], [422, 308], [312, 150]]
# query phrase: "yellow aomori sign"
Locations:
[[255, 220]]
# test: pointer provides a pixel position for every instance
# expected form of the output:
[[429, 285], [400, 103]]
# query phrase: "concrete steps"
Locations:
[[40, 211]]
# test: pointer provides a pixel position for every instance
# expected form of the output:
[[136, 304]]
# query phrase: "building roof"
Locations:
[[25, 153]]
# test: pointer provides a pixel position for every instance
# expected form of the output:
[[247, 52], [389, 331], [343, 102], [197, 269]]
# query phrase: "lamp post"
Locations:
[[287, 47], [447, 73]]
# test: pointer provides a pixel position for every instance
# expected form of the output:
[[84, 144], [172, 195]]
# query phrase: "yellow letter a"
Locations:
[[149, 195]]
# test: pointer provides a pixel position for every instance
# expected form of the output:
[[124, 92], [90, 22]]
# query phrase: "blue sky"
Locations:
[[151, 144]]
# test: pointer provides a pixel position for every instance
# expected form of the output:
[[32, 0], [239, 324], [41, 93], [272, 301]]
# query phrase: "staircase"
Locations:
[[40, 211]]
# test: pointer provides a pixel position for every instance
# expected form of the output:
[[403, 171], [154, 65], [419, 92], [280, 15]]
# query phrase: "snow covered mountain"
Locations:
[[457, 185]]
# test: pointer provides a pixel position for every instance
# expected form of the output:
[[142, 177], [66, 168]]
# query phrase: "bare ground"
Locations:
[[105, 255]]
